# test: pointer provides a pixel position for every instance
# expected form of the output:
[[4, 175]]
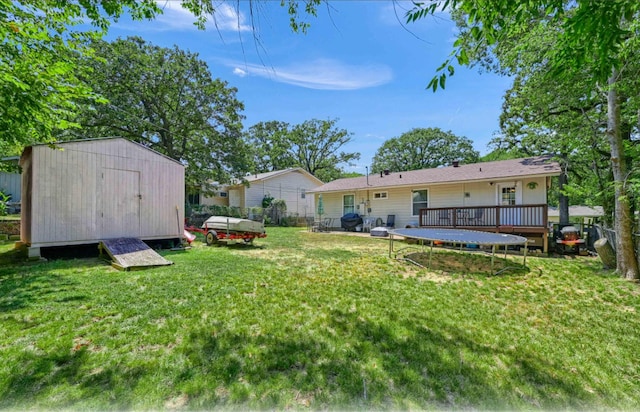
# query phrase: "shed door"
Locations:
[[120, 203]]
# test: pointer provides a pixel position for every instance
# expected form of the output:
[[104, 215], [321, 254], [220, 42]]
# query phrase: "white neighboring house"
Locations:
[[292, 185]]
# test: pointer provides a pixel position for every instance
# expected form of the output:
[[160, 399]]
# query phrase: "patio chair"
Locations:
[[391, 222], [367, 223]]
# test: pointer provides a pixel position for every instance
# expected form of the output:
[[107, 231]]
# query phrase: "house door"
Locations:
[[510, 194], [234, 198], [120, 203]]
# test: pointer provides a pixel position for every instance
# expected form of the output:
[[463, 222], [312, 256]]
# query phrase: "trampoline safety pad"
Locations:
[[461, 236]]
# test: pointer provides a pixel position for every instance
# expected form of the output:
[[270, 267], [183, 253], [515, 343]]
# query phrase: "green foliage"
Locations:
[[277, 212], [581, 53], [167, 100], [314, 321], [269, 145], [591, 32], [350, 174], [421, 149], [4, 198], [267, 200], [41, 85], [314, 146]]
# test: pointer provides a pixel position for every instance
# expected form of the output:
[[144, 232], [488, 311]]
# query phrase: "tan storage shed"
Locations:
[[84, 191]]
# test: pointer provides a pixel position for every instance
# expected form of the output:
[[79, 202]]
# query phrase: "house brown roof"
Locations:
[[498, 170]]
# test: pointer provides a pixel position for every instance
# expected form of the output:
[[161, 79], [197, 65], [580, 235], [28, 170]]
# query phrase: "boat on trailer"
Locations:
[[218, 228]]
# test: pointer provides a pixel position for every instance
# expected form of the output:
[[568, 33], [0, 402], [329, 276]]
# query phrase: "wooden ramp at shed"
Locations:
[[130, 253]]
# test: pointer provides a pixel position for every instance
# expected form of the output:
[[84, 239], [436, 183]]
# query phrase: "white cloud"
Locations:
[[175, 17], [322, 74], [239, 72]]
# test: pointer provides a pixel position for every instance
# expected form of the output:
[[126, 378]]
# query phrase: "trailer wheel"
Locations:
[[211, 238], [248, 241]]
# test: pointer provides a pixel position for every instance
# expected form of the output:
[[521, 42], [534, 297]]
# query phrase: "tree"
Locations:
[[269, 143], [39, 83], [596, 35], [315, 145], [423, 148], [166, 99]]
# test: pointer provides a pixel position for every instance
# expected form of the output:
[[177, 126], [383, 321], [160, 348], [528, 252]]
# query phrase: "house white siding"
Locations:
[[10, 185], [87, 191], [289, 186], [399, 201]]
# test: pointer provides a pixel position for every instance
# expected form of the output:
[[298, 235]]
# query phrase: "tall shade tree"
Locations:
[[599, 35], [563, 116], [269, 145], [167, 100], [423, 148], [314, 145]]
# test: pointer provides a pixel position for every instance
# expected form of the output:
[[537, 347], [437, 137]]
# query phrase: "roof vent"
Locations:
[[456, 163], [386, 172]]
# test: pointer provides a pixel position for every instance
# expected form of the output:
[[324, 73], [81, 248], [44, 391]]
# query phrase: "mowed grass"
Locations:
[[317, 321]]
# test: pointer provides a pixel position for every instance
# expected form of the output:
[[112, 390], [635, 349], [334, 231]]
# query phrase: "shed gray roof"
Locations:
[[498, 170]]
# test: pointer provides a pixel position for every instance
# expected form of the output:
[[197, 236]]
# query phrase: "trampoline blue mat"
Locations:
[[475, 237]]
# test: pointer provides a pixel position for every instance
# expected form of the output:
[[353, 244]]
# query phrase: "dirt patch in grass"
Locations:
[[460, 263]]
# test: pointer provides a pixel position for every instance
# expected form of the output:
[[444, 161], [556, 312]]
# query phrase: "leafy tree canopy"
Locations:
[[167, 100], [315, 145], [39, 83], [590, 32], [423, 148]]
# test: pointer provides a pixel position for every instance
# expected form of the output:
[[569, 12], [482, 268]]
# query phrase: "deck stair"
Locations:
[[131, 253]]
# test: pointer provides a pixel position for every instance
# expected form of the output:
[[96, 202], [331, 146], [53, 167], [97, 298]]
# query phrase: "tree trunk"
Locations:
[[563, 200], [626, 263]]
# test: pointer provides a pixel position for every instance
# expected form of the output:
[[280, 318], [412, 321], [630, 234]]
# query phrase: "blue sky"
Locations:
[[358, 63]]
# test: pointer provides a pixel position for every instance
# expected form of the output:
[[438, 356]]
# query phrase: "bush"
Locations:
[[3, 203]]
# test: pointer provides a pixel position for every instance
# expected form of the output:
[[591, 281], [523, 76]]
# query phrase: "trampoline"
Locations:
[[461, 237]]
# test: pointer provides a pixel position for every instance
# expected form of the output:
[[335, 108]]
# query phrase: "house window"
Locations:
[[348, 204], [194, 198], [420, 200], [223, 194], [508, 196], [380, 195], [303, 193]]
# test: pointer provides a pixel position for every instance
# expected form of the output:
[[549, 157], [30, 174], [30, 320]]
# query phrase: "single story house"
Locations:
[[85, 191], [291, 185], [508, 196]]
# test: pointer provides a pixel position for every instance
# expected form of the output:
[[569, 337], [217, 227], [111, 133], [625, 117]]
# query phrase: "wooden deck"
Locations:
[[526, 220]]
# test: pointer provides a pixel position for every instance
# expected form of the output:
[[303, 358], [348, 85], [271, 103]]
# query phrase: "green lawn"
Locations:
[[320, 321]]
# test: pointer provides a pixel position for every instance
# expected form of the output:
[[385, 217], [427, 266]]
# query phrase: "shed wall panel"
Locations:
[[70, 194]]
